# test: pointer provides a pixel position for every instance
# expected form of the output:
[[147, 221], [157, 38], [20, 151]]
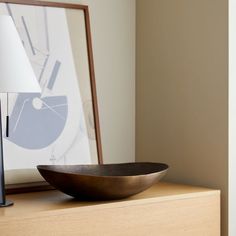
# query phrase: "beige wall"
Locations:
[[113, 36], [181, 99], [113, 29]]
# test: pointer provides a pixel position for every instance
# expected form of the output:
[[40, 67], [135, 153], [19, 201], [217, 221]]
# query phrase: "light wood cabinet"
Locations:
[[164, 210]]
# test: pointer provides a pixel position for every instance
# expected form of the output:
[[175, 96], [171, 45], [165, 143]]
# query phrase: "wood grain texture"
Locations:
[[163, 210]]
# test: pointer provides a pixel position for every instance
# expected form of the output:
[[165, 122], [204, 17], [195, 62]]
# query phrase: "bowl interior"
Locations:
[[126, 169]]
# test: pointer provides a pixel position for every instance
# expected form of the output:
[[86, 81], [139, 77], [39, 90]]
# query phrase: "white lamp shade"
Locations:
[[16, 72]]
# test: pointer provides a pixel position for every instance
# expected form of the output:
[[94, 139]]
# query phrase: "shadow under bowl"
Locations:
[[103, 182]]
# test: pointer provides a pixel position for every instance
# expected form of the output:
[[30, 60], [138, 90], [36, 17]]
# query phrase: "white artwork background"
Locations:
[[44, 33]]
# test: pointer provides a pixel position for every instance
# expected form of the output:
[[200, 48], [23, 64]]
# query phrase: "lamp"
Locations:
[[16, 76]]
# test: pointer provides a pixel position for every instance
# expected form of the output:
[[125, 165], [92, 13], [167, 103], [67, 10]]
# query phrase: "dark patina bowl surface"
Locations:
[[103, 182]]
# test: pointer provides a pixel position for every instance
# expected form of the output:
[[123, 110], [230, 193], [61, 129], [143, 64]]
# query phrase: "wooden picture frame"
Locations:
[[31, 6]]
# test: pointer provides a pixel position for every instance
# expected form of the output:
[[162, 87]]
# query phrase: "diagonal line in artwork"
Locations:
[[44, 53], [28, 35], [54, 74], [10, 11], [43, 69], [46, 27], [54, 111], [59, 105], [44, 84], [17, 121]]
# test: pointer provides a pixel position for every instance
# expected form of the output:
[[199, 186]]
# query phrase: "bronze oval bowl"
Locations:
[[103, 182]]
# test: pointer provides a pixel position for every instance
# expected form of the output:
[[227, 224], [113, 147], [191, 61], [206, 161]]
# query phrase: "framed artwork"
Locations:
[[60, 125]]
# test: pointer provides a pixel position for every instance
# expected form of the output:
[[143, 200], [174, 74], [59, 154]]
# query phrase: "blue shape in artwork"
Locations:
[[54, 75], [37, 127]]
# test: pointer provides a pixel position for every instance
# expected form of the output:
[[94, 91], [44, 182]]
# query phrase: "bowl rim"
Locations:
[[165, 168]]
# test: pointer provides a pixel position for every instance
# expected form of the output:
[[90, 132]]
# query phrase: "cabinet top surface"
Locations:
[[51, 201]]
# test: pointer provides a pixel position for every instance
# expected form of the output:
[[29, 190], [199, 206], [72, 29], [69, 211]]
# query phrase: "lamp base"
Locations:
[[7, 203]]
